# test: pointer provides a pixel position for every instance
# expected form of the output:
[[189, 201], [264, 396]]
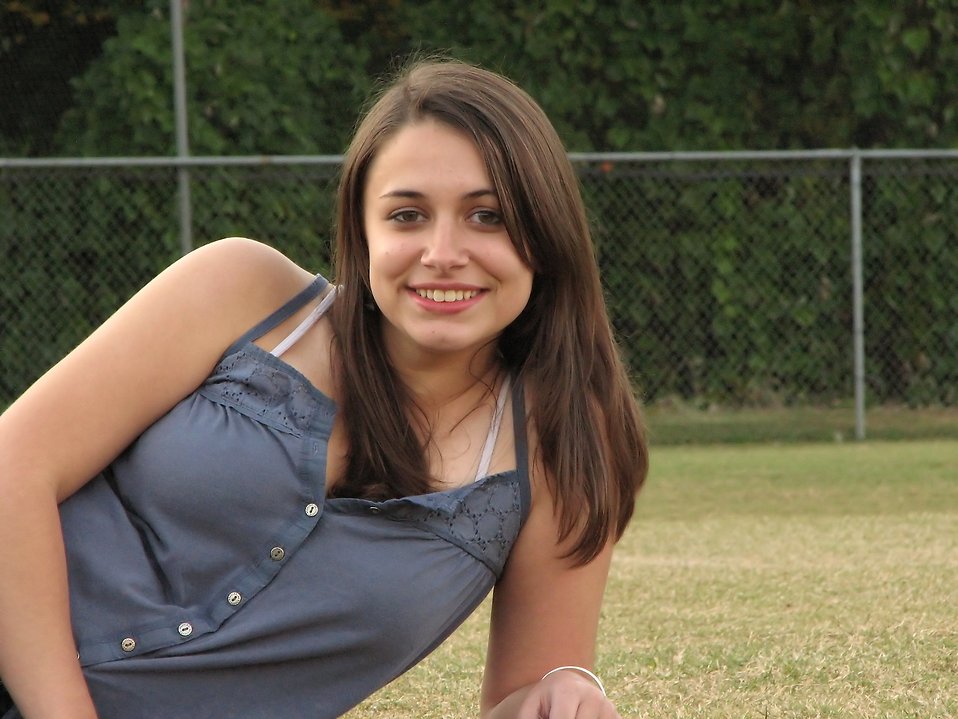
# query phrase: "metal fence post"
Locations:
[[858, 300], [182, 137]]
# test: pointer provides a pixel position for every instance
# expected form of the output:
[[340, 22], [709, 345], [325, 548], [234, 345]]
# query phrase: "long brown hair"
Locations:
[[591, 442]]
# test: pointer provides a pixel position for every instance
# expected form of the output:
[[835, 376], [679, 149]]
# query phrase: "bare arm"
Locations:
[[83, 413], [545, 614]]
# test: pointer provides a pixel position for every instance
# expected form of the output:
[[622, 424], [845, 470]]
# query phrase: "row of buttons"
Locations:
[[185, 629], [277, 554]]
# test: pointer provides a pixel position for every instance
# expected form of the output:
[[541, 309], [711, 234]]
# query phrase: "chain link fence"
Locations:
[[729, 277]]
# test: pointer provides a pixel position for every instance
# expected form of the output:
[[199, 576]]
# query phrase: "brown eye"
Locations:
[[406, 216], [487, 217]]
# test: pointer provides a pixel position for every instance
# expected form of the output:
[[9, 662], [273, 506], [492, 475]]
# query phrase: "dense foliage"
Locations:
[[95, 79], [615, 75]]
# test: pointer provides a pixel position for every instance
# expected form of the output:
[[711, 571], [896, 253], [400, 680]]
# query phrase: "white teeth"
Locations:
[[447, 295]]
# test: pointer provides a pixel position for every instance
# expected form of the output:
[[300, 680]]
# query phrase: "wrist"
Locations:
[[581, 670]]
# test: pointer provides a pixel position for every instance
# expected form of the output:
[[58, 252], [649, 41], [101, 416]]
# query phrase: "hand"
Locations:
[[566, 695]]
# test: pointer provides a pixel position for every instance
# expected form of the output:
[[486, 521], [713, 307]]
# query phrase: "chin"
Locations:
[[450, 344]]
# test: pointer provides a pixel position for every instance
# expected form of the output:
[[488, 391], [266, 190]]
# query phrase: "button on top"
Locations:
[[128, 644], [185, 629], [277, 553], [234, 598], [312, 509], [374, 509]]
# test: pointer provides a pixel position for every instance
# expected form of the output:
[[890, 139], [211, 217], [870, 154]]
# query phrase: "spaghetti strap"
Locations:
[[486, 456], [311, 291], [522, 447], [311, 319]]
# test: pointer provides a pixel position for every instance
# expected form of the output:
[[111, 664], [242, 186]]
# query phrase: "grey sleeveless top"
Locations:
[[211, 577]]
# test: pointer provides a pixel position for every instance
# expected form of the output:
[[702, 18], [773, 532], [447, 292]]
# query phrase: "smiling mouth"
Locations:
[[447, 295]]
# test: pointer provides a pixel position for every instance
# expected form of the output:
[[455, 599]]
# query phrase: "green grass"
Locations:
[[764, 581], [686, 425]]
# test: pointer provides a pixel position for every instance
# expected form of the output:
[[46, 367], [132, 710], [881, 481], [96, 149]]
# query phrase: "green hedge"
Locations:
[[727, 283]]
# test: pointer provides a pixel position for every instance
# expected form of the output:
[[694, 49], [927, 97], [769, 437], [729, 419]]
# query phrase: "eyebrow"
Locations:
[[415, 194]]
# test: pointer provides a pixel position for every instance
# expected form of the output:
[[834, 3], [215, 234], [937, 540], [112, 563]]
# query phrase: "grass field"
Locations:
[[678, 424], [797, 580]]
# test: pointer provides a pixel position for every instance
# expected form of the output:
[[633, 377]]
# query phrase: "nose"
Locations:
[[444, 249]]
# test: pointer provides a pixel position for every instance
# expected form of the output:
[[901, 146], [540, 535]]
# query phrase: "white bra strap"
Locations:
[[486, 457], [310, 320]]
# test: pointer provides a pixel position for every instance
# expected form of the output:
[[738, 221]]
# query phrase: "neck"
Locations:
[[437, 381]]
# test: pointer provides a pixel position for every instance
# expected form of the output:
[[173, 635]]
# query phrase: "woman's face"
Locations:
[[442, 267]]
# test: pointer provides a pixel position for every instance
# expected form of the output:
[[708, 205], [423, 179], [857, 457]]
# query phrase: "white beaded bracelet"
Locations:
[[585, 671]]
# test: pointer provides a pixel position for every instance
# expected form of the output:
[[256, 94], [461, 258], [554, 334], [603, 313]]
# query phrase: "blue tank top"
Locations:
[[211, 577]]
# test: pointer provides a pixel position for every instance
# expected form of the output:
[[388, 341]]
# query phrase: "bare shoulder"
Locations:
[[238, 275]]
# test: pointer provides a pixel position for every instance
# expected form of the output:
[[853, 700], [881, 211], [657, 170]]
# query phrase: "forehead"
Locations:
[[427, 152]]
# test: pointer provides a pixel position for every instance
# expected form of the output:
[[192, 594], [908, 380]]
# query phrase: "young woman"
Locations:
[[253, 493]]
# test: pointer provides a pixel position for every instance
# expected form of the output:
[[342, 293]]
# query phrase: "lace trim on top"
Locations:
[[265, 388], [482, 519]]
